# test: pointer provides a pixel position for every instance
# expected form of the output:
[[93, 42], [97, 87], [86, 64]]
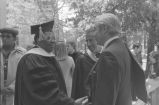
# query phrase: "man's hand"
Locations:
[[81, 101], [7, 91]]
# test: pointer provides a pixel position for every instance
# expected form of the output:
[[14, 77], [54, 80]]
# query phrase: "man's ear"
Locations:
[[98, 39]]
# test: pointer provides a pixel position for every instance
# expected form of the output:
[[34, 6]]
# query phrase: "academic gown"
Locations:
[[84, 65], [40, 81], [75, 55], [138, 80]]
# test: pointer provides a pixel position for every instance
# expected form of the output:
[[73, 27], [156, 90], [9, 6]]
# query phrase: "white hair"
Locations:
[[109, 20]]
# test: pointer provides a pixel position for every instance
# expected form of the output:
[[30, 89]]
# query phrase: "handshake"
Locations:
[[82, 101]]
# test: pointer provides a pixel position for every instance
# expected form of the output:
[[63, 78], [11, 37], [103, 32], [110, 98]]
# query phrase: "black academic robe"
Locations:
[[39, 81], [83, 66], [112, 76], [75, 55], [138, 80]]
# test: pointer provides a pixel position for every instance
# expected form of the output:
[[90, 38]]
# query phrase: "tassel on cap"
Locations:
[[41, 34]]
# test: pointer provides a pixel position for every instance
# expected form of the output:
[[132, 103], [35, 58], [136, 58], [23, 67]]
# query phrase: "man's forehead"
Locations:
[[91, 33]]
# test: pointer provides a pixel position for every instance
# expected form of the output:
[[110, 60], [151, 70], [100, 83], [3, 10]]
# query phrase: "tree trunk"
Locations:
[[2, 24], [3, 12], [152, 39]]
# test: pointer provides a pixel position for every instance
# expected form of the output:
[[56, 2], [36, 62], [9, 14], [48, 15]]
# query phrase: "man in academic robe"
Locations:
[[72, 50], [39, 78], [84, 64], [110, 80], [10, 56]]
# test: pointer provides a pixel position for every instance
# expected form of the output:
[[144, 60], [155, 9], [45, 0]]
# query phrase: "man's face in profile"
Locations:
[[102, 34], [48, 41], [91, 41], [70, 49]]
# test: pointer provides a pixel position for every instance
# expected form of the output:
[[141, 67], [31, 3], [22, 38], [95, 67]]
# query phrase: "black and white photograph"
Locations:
[[79, 52]]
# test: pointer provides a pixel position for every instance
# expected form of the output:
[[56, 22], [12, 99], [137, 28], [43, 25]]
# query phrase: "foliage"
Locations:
[[136, 15], [24, 13]]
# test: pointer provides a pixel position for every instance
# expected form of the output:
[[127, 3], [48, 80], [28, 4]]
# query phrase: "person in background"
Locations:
[[72, 50], [110, 80], [153, 75], [137, 53], [39, 79], [66, 63], [84, 64], [10, 56], [154, 61]]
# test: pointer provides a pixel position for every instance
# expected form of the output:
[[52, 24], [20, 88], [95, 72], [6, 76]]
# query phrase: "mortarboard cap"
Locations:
[[45, 27]]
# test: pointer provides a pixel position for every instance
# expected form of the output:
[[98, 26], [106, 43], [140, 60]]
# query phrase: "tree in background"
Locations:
[[139, 17], [50, 10], [24, 13], [136, 15]]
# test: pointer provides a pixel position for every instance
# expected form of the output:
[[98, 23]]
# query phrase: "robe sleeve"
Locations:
[[42, 86], [77, 84], [108, 79]]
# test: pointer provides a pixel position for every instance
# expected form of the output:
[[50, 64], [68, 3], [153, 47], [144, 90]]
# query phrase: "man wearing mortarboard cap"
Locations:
[[10, 56], [110, 79], [38, 31], [39, 78]]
